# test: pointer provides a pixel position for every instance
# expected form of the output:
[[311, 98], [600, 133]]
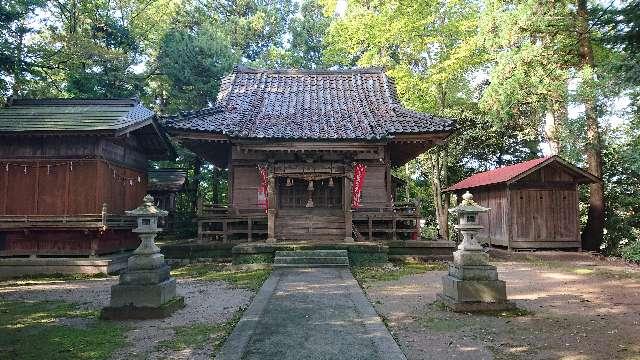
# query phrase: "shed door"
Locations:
[[566, 215], [533, 215]]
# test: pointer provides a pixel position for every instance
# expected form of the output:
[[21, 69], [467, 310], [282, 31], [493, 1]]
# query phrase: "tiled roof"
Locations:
[[172, 180], [308, 104], [497, 176], [33, 115]]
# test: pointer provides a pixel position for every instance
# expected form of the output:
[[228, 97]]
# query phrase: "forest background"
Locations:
[[522, 78]]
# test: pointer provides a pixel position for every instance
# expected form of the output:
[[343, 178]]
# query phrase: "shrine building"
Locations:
[[309, 154]]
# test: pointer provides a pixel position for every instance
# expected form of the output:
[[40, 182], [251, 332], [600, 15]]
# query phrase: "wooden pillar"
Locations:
[[348, 215], [271, 212]]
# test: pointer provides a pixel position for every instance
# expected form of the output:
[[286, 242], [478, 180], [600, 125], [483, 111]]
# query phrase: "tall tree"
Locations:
[[592, 235], [18, 56], [192, 62]]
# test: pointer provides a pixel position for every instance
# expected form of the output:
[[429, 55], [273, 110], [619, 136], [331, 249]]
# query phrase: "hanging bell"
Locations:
[[310, 187], [289, 182], [310, 202], [331, 182]]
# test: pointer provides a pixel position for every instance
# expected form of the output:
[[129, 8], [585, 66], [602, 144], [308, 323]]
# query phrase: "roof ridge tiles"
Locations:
[[72, 102], [341, 71]]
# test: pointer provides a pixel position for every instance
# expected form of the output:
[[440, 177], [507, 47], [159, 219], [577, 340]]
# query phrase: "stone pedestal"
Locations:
[[146, 289], [472, 284]]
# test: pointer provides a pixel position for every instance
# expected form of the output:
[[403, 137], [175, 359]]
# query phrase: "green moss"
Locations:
[[367, 274], [24, 324], [248, 279], [199, 335], [266, 258], [441, 324]]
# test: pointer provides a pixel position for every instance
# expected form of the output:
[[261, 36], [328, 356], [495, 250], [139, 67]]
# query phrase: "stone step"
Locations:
[[312, 253], [276, 266], [311, 258], [304, 260]]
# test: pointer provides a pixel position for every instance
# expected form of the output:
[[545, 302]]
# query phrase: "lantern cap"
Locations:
[[147, 208], [468, 205]]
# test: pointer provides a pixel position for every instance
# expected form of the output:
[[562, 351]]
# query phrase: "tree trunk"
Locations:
[[195, 184], [436, 162], [592, 235], [18, 69], [550, 132]]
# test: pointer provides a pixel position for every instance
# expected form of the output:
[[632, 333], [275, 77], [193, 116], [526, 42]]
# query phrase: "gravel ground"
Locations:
[[207, 302], [577, 313]]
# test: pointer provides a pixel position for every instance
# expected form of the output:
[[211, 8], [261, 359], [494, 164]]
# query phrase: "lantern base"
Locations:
[[147, 295], [142, 312], [474, 288]]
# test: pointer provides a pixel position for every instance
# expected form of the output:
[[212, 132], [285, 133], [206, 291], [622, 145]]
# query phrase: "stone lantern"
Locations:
[[472, 283], [145, 290]]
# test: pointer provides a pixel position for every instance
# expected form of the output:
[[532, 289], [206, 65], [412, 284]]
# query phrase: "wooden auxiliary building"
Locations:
[[69, 169], [534, 204], [291, 140]]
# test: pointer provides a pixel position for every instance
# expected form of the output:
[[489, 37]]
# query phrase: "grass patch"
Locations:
[[390, 272], [247, 279], [27, 280], [199, 335], [441, 324], [29, 330]]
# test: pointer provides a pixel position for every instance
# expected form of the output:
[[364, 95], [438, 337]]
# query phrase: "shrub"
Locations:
[[632, 252]]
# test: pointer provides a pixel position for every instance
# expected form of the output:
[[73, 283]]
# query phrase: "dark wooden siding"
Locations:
[[245, 187], [374, 190], [59, 190]]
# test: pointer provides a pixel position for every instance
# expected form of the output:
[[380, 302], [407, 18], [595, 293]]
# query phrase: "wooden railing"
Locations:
[[101, 221], [400, 222], [219, 223]]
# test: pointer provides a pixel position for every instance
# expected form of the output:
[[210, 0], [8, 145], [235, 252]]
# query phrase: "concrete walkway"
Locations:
[[315, 313]]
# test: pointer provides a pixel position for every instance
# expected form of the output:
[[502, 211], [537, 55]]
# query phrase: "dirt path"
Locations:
[[581, 308]]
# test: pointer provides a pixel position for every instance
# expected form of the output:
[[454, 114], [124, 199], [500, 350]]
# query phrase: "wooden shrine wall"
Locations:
[[62, 189], [495, 221], [51, 185]]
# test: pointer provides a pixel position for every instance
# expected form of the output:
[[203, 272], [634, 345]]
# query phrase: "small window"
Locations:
[[146, 222], [471, 218]]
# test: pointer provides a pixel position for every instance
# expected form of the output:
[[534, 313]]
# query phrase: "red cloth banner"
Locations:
[[359, 173], [263, 189]]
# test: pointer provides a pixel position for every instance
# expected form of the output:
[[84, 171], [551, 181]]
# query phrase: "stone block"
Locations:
[[474, 290], [145, 277], [145, 262], [465, 257], [153, 295], [473, 272]]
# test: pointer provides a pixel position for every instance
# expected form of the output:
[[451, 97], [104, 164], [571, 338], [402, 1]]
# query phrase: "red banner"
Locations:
[[359, 172], [263, 189]]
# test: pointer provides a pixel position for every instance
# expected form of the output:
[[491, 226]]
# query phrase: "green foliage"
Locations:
[[631, 252], [21, 322], [193, 63]]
